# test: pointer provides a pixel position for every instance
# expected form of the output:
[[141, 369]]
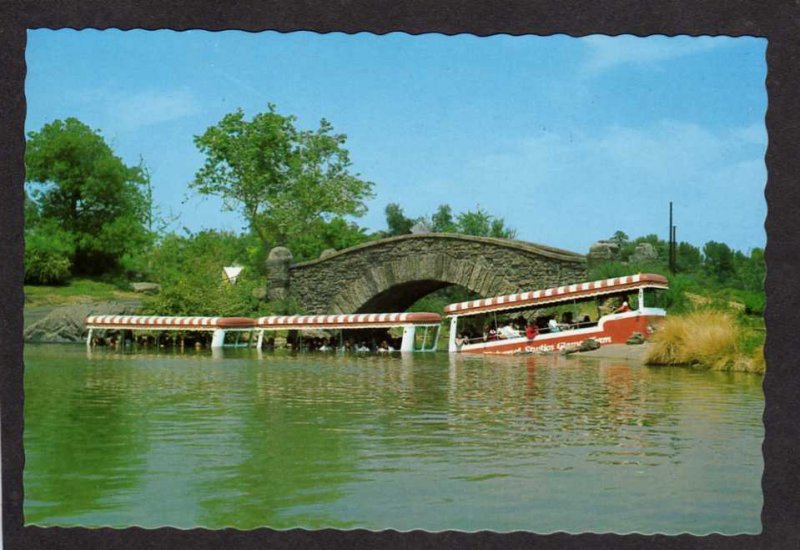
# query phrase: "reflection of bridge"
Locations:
[[391, 274]]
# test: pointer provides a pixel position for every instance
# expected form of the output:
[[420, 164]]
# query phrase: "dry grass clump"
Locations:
[[704, 338], [757, 364]]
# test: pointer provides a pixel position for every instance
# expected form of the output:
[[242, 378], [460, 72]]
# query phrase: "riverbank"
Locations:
[[637, 352], [710, 339]]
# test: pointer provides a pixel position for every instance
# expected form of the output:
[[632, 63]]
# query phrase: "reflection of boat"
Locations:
[[474, 324], [409, 322]]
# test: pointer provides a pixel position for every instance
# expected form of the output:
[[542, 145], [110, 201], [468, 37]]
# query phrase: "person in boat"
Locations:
[[462, 339], [363, 347], [552, 324], [507, 331], [384, 347], [623, 306], [531, 331]]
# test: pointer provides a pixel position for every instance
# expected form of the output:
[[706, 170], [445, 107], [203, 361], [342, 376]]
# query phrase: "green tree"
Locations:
[[718, 260], [687, 258], [48, 253], [442, 220], [396, 221], [752, 270], [482, 224], [337, 234], [189, 270], [78, 182], [283, 180], [619, 237]]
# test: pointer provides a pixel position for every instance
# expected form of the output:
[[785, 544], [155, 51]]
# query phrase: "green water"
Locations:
[[430, 441]]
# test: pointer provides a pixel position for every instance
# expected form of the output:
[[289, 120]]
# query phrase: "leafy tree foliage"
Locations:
[[687, 258], [442, 220], [189, 269], [78, 183], [718, 260], [284, 180], [482, 224], [619, 237], [48, 254], [478, 222], [396, 221], [337, 233]]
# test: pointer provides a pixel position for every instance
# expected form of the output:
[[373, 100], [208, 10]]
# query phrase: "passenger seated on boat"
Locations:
[[531, 331], [507, 331], [623, 307], [552, 324], [385, 347], [462, 339], [362, 347]]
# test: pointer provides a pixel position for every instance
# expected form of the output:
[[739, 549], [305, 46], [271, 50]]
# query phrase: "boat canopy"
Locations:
[[144, 322], [360, 320], [559, 294]]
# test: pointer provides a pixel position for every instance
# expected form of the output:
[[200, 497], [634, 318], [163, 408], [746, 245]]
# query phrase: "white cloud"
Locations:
[[152, 107], [125, 110], [606, 52], [572, 187]]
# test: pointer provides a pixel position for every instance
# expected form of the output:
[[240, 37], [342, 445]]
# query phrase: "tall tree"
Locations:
[[396, 221], [718, 260], [442, 220], [619, 237], [79, 184], [482, 224], [282, 179]]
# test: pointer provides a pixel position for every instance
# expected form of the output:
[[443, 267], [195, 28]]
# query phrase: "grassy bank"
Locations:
[[710, 339], [74, 292]]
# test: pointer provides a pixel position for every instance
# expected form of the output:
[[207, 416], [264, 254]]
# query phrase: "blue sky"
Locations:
[[567, 139]]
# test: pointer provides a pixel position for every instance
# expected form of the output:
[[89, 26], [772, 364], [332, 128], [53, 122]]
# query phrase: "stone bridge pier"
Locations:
[[391, 274]]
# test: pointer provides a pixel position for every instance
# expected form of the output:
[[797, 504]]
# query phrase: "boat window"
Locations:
[[655, 297]]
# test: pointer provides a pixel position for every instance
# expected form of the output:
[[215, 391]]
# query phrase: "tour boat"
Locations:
[[413, 338], [474, 324], [218, 326]]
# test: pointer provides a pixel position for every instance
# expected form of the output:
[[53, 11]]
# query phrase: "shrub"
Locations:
[[705, 338], [48, 253]]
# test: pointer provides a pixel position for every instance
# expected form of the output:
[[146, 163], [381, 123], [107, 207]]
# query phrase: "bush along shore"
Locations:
[[711, 339]]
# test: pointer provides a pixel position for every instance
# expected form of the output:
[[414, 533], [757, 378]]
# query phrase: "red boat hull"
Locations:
[[614, 329]]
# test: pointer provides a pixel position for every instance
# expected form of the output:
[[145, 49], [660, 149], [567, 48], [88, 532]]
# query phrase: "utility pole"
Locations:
[[671, 235]]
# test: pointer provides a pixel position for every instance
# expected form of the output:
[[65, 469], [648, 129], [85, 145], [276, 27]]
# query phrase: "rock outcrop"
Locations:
[[603, 251], [644, 252], [66, 324]]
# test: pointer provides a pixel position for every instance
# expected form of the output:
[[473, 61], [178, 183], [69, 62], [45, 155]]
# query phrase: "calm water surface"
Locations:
[[430, 441]]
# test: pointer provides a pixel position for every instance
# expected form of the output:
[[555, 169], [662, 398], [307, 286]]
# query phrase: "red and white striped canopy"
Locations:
[[359, 320], [554, 295], [144, 322]]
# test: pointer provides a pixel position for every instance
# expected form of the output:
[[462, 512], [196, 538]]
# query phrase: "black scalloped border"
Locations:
[[779, 22]]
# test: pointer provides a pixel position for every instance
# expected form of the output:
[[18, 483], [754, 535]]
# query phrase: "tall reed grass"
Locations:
[[705, 338]]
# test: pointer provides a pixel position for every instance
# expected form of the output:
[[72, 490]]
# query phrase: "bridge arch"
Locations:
[[391, 274]]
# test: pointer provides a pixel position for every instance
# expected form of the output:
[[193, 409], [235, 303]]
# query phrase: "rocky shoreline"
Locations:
[[65, 324]]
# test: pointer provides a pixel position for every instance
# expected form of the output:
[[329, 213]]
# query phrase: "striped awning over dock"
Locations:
[[565, 293], [359, 320], [144, 322]]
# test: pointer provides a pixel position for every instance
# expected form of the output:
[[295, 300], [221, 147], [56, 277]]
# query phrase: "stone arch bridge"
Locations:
[[391, 274]]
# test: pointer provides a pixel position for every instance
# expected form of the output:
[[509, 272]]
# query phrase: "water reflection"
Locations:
[[433, 441]]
